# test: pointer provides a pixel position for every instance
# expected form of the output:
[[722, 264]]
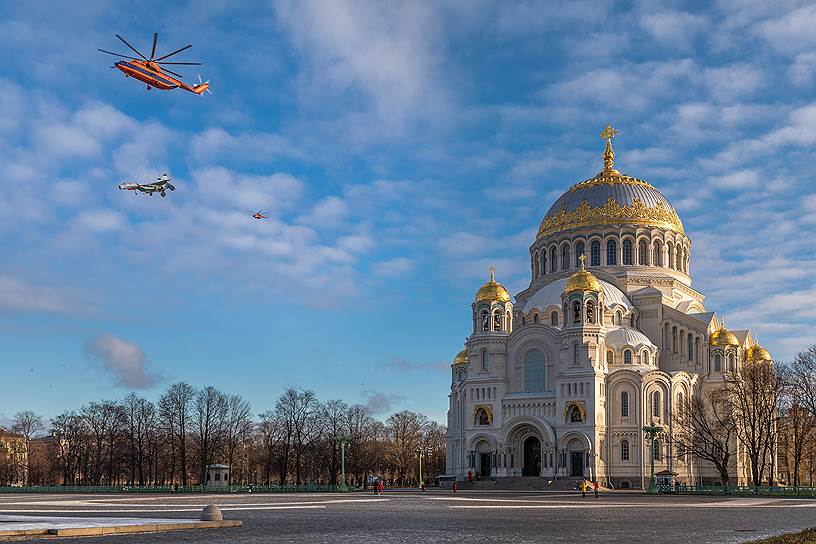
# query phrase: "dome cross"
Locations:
[[492, 270], [609, 154]]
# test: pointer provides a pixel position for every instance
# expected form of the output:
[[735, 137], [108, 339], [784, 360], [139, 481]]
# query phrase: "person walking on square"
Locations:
[[595, 488], [583, 488], [379, 487]]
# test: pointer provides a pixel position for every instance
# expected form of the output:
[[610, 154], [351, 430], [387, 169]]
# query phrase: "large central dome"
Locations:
[[610, 198]]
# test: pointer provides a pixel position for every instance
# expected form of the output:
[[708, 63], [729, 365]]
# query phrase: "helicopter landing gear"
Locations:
[[163, 194], [149, 87]]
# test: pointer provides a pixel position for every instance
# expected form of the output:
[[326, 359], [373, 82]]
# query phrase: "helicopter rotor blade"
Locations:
[[174, 52], [155, 39], [124, 41], [186, 63], [117, 54], [172, 72]]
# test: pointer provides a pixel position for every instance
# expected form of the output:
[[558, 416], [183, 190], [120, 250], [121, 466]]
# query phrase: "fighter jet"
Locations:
[[159, 186]]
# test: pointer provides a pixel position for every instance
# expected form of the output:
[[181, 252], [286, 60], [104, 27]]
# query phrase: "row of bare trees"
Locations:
[[764, 415], [134, 441]]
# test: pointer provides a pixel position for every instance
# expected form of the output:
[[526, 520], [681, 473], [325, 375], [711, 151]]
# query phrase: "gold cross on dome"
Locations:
[[582, 259], [492, 271], [609, 132]]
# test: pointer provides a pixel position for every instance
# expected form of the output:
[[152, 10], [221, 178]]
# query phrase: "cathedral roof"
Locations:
[[723, 337], [461, 358], [627, 336], [492, 291], [550, 295], [610, 198], [583, 280]]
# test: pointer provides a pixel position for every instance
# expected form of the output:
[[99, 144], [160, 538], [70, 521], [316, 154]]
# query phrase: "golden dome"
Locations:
[[723, 337], [461, 358], [492, 290], [583, 280], [757, 353]]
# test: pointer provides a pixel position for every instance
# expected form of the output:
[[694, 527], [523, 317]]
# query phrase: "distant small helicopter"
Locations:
[[159, 186], [259, 215], [150, 70]]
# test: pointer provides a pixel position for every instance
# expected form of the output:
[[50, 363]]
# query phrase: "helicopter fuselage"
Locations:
[[146, 73]]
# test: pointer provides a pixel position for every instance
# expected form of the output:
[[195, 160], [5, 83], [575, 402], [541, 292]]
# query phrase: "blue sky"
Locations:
[[399, 148]]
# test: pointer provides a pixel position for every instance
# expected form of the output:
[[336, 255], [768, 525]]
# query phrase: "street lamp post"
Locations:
[[420, 454], [342, 440], [652, 431]]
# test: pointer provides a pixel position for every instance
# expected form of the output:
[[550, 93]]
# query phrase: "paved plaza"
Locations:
[[440, 516]]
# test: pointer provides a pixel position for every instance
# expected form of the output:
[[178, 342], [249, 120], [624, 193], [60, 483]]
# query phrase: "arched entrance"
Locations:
[[577, 457], [532, 457]]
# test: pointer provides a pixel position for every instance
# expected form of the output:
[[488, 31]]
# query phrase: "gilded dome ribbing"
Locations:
[[757, 353], [461, 358], [583, 280], [492, 290], [723, 337]]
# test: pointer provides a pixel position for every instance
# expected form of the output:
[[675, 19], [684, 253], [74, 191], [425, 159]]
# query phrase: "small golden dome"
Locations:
[[757, 353], [461, 358], [583, 280], [492, 290], [723, 337]]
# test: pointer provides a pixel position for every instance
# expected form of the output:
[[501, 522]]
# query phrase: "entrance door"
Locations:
[[485, 472], [577, 469], [532, 457]]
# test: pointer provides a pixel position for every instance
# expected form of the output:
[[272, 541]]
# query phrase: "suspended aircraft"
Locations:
[[161, 185], [259, 215], [153, 72]]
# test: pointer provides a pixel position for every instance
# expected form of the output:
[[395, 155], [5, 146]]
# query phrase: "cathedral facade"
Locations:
[[609, 337]]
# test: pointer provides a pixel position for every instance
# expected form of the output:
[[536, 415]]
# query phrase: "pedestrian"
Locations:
[[379, 487], [454, 486], [595, 488], [583, 488], [375, 487], [470, 475]]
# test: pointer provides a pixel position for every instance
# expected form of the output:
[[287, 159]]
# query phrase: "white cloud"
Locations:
[[100, 220], [251, 192], [19, 296], [378, 402], [792, 32], [391, 268], [125, 361], [674, 29]]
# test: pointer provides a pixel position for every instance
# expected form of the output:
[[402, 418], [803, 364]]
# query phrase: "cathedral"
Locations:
[[559, 381]]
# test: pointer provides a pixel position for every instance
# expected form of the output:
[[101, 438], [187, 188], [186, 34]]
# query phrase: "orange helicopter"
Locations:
[[151, 71]]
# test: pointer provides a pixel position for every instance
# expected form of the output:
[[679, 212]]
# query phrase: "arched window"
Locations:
[[497, 320], [624, 450], [485, 321], [690, 347], [565, 257], [627, 252], [642, 253], [674, 339], [523, 320], [535, 318], [575, 415], [644, 357], [485, 359], [717, 363], [670, 264], [576, 356], [624, 404], [656, 254], [681, 406], [595, 256], [632, 321], [590, 311], [543, 261], [611, 253], [610, 357], [535, 378], [461, 376], [657, 447], [731, 365], [554, 319], [579, 250], [553, 260], [656, 404], [482, 417], [576, 312], [679, 259], [617, 318], [535, 265], [627, 357]]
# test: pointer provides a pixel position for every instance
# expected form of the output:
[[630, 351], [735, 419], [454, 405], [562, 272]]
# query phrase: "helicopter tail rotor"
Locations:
[[202, 86]]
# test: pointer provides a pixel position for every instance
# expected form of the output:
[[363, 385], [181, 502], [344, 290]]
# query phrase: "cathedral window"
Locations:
[[611, 253], [674, 339], [483, 417], [485, 321], [485, 360], [535, 318], [617, 318], [656, 254], [717, 363], [534, 371], [656, 404], [670, 264], [642, 252], [579, 250], [679, 259], [543, 261], [627, 252], [497, 320], [554, 319], [644, 357], [632, 321], [656, 448], [575, 415], [565, 257], [535, 265], [690, 347], [576, 312], [610, 357], [624, 404], [627, 357], [595, 256], [624, 450], [731, 365], [553, 260], [576, 355], [590, 311], [681, 407], [523, 320]]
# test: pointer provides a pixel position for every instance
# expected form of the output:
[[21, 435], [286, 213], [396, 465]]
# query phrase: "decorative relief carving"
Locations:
[[611, 213]]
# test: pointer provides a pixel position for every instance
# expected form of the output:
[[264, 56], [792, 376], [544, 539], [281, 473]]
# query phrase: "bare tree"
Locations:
[[270, 433], [209, 416], [297, 408], [27, 424], [238, 426], [703, 429], [140, 414], [174, 410], [405, 433], [796, 426]]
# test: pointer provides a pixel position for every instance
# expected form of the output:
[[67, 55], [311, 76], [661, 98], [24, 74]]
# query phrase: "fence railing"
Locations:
[[307, 488], [742, 490]]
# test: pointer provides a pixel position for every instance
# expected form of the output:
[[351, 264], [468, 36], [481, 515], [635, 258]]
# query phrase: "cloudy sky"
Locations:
[[399, 149]]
